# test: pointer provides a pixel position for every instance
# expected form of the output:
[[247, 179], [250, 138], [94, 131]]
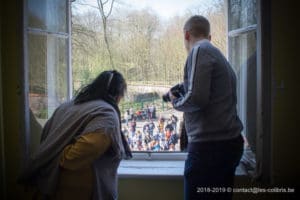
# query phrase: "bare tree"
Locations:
[[102, 5], [136, 42], [83, 33]]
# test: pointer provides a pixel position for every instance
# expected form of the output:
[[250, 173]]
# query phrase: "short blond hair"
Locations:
[[197, 25]]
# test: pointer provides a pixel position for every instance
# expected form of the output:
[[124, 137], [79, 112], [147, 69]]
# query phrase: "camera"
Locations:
[[176, 91]]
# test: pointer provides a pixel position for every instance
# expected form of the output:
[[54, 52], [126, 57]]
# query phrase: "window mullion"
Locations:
[[241, 31], [47, 33]]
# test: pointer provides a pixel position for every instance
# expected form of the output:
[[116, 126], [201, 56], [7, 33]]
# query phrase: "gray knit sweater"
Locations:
[[209, 102]]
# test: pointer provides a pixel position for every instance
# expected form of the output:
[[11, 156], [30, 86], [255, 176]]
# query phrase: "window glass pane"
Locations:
[[47, 79], [243, 59], [47, 15], [242, 13]]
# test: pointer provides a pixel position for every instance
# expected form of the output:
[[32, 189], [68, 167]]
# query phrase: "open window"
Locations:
[[144, 41], [147, 49], [47, 64], [242, 53]]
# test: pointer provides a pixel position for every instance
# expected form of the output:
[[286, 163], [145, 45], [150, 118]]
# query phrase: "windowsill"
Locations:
[[151, 169], [153, 165], [158, 168]]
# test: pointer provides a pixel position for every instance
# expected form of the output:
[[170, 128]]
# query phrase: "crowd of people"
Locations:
[[149, 112], [151, 133]]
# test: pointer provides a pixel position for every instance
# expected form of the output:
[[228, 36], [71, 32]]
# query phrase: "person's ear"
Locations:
[[187, 35], [209, 37]]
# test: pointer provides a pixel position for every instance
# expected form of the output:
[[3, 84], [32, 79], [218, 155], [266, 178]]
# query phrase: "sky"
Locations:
[[164, 8]]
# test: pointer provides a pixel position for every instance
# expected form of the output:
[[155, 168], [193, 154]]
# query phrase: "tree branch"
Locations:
[[111, 7], [105, 2]]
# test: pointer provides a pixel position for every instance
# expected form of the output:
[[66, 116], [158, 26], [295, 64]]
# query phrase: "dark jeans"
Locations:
[[210, 169]]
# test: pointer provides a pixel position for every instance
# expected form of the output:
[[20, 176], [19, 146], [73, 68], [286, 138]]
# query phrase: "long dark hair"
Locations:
[[107, 86]]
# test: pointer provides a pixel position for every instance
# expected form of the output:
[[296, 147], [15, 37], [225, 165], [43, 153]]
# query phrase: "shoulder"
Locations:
[[108, 109], [103, 117], [100, 105], [204, 47], [102, 110], [207, 50]]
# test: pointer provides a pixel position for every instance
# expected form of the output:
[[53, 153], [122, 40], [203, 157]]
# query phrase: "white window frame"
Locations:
[[25, 70]]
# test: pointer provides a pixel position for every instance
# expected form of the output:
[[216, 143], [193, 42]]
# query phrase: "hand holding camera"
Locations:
[[177, 91]]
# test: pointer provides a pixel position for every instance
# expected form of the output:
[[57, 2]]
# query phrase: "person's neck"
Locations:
[[193, 42]]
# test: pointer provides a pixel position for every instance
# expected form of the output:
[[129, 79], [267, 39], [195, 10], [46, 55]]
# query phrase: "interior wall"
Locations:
[[165, 189], [11, 63], [2, 158], [285, 111], [149, 189]]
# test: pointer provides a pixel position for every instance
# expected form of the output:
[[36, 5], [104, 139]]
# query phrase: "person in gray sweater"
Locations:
[[208, 100]]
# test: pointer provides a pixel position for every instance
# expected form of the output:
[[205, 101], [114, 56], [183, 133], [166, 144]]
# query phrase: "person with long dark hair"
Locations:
[[82, 145]]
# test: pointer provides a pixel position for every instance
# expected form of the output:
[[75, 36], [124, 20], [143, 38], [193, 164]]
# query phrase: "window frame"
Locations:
[[163, 155], [263, 168], [264, 96], [249, 166], [264, 101], [24, 85]]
